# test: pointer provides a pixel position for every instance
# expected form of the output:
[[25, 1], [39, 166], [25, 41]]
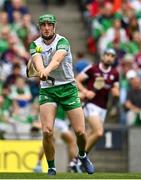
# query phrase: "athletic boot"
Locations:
[[51, 171], [87, 164]]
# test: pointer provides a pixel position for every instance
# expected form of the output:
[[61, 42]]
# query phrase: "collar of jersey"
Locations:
[[104, 70], [51, 42]]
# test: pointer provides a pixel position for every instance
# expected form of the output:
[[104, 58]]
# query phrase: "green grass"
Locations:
[[70, 176]]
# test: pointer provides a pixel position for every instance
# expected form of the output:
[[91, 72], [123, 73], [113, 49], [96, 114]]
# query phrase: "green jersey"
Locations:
[[64, 73]]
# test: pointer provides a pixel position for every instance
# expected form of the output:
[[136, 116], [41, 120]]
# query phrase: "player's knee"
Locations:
[[80, 132], [48, 132], [99, 133]]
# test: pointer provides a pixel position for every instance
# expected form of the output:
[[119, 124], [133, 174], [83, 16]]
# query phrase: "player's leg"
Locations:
[[96, 131], [38, 167], [76, 117], [47, 115], [67, 136], [69, 139], [71, 104], [41, 154], [77, 121], [95, 116], [61, 124]]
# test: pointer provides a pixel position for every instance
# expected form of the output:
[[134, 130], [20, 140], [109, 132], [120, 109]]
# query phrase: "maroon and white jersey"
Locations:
[[100, 81]]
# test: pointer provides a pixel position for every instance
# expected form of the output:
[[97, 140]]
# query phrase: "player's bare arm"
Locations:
[[38, 62], [86, 93], [55, 62], [115, 90]]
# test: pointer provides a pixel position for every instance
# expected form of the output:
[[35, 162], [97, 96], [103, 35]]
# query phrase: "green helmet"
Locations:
[[47, 17]]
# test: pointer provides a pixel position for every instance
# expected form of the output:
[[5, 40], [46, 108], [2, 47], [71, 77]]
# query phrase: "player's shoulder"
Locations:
[[114, 71], [94, 67], [88, 69], [61, 38], [36, 42], [62, 43]]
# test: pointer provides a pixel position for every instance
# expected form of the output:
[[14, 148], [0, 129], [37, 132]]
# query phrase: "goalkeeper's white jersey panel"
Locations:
[[64, 73]]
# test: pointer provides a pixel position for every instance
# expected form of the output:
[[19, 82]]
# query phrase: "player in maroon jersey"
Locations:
[[101, 79]]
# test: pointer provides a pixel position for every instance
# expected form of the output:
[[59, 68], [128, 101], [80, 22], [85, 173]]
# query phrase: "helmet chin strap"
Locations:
[[48, 37]]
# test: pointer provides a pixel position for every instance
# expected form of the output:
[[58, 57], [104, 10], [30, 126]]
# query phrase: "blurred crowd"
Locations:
[[18, 95], [109, 23], [117, 24]]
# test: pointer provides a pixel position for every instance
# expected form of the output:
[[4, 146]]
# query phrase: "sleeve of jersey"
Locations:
[[88, 71], [63, 44], [32, 49]]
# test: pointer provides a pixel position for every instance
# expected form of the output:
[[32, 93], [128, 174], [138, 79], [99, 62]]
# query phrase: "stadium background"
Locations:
[[91, 26]]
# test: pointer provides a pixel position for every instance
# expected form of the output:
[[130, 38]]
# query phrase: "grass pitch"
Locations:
[[70, 176]]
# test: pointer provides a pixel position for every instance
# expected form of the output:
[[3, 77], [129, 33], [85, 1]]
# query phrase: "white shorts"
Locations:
[[61, 125], [91, 109]]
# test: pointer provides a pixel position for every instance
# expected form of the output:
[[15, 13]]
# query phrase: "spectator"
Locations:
[[27, 31], [114, 33], [133, 102], [126, 64], [7, 101], [17, 20], [135, 44], [3, 20], [133, 26], [16, 49], [138, 63], [20, 93], [5, 108], [16, 72], [4, 36], [3, 118], [81, 62], [17, 5], [136, 5], [34, 85]]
